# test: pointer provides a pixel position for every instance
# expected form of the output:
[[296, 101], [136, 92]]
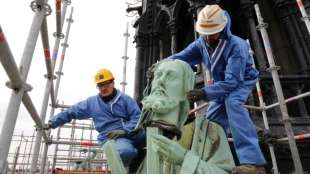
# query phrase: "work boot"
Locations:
[[248, 169]]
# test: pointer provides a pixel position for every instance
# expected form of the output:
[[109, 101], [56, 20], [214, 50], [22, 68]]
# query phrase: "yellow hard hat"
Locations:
[[103, 75], [211, 20]]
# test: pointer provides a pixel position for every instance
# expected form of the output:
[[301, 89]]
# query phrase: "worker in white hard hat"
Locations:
[[228, 60], [114, 113]]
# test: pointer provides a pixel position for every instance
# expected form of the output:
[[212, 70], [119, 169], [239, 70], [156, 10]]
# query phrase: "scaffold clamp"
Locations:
[[35, 7], [272, 68], [67, 2], [286, 120], [262, 25], [50, 76], [59, 73], [70, 20], [65, 45], [305, 18], [58, 35], [26, 87]]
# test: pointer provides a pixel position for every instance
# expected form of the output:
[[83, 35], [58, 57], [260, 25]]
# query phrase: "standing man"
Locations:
[[114, 114], [227, 57]]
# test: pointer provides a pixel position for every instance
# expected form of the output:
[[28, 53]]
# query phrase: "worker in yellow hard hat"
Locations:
[[227, 58], [114, 113]]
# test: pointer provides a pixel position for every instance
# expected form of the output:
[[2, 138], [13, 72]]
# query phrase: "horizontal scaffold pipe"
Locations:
[[61, 106], [303, 95], [296, 137], [82, 159], [291, 99], [285, 139], [78, 127], [82, 143]]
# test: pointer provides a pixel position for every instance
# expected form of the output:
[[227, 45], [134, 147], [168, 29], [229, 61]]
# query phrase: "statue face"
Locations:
[[167, 88], [168, 81], [167, 99]]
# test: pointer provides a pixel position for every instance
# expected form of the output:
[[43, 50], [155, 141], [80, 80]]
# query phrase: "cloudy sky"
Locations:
[[96, 40]]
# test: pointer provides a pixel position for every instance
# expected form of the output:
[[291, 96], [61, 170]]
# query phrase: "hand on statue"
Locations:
[[169, 149], [195, 95], [150, 72], [114, 134]]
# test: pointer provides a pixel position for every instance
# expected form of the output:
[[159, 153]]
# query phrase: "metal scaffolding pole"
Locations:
[[79, 159], [30, 150], [58, 37], [48, 90], [296, 137], [265, 119], [276, 80], [71, 139], [125, 58], [17, 155], [65, 45], [291, 99], [82, 143], [56, 149], [17, 95], [16, 83], [59, 22], [304, 14], [55, 52], [24, 155], [49, 76]]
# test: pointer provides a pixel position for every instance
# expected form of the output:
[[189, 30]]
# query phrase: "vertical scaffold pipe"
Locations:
[[48, 89], [16, 96], [72, 135], [30, 150], [17, 155], [56, 149], [276, 80], [304, 14], [24, 155], [125, 58], [55, 52], [173, 31], [58, 18], [65, 46], [265, 119]]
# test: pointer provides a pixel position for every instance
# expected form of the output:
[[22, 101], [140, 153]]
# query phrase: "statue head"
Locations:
[[167, 100]]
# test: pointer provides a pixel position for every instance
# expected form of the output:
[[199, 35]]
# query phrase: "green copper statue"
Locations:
[[166, 108]]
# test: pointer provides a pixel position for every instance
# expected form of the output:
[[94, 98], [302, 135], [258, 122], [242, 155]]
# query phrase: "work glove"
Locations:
[[150, 72], [114, 134], [172, 151], [195, 95]]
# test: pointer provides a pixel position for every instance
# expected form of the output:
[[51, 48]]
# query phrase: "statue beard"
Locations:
[[159, 102]]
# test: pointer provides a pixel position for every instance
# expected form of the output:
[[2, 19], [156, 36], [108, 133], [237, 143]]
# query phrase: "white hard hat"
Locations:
[[211, 20]]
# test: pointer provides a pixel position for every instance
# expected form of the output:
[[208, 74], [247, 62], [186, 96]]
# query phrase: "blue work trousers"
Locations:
[[128, 146], [230, 113]]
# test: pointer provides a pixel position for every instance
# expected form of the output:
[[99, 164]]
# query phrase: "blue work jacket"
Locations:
[[230, 65], [122, 112]]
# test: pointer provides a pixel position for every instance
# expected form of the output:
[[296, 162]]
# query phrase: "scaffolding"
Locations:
[[24, 156], [67, 151], [67, 154]]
